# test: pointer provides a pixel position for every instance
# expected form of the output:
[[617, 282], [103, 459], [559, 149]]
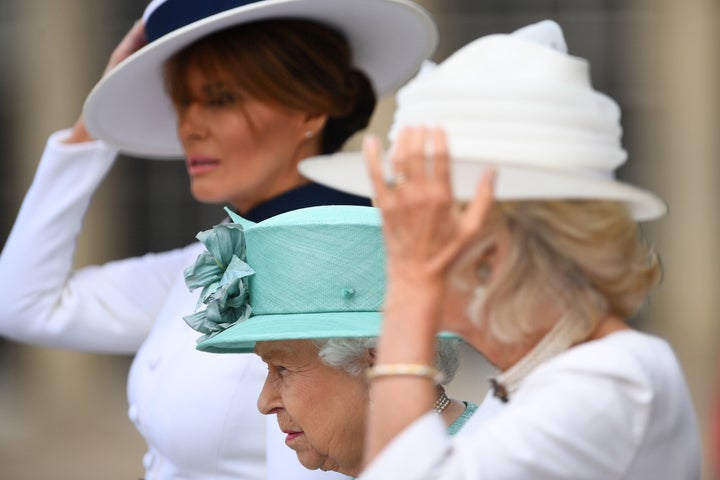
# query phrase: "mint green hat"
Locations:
[[316, 272]]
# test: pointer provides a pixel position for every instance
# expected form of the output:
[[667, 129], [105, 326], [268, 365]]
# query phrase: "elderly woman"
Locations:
[[303, 290], [547, 266]]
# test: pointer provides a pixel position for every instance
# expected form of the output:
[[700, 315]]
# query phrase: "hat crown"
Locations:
[[520, 104], [164, 16], [316, 272], [517, 99], [317, 260]]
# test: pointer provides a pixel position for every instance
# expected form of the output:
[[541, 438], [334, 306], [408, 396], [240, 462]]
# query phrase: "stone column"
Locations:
[[684, 144], [69, 405]]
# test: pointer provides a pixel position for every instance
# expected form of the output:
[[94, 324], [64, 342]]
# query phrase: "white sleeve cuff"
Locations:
[[57, 144]]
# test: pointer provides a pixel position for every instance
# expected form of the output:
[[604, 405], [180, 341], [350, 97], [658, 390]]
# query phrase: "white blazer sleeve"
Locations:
[[107, 308], [576, 419]]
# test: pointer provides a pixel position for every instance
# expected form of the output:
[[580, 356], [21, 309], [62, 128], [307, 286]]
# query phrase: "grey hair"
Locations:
[[346, 354]]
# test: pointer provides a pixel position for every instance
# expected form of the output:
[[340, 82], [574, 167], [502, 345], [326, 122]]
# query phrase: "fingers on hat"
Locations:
[[372, 153], [440, 167], [480, 204]]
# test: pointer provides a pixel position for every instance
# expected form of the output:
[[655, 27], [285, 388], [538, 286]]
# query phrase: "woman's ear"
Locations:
[[496, 256], [476, 267], [485, 265], [313, 125], [371, 357]]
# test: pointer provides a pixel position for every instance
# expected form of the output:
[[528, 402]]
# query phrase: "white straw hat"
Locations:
[[521, 104], [130, 109]]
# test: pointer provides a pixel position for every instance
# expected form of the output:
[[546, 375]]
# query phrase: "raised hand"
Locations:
[[425, 229], [133, 41]]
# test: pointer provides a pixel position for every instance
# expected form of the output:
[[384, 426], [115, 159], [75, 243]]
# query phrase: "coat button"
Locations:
[[134, 414]]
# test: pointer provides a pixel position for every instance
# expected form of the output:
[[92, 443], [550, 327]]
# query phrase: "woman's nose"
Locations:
[[191, 126], [269, 401]]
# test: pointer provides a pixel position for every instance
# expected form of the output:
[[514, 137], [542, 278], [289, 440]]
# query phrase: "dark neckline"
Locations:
[[308, 195]]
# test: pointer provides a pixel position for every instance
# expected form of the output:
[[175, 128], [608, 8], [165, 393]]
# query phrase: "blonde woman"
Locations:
[[541, 272]]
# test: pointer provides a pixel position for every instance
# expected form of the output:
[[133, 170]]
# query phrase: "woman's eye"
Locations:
[[183, 104], [277, 369], [221, 99]]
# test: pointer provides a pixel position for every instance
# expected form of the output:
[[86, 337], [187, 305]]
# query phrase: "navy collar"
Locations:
[[309, 195]]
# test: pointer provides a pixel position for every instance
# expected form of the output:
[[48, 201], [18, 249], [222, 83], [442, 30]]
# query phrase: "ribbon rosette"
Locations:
[[222, 273]]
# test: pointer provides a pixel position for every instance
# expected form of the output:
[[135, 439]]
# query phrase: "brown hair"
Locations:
[[296, 64], [585, 256]]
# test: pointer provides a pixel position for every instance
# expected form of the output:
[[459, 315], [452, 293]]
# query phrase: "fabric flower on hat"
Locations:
[[222, 273]]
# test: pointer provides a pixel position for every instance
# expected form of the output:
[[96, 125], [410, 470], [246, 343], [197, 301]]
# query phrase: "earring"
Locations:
[[309, 134], [483, 272]]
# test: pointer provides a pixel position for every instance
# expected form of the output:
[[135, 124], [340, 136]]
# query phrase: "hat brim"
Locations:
[[241, 337], [129, 108], [347, 172]]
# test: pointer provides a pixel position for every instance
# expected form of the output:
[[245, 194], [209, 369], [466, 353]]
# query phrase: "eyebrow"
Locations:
[[210, 88], [273, 352]]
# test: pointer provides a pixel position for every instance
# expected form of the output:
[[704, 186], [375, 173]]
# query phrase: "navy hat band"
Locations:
[[174, 14]]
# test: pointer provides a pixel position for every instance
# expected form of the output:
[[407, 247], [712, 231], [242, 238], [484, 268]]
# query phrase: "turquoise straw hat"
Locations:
[[316, 272]]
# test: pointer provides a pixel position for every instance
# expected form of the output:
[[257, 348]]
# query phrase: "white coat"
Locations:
[[197, 411], [617, 408]]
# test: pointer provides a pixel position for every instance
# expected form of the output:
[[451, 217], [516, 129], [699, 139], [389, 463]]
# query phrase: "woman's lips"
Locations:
[[197, 165], [291, 436]]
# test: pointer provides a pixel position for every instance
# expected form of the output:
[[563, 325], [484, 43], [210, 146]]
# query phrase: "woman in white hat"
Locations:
[[242, 90], [540, 272]]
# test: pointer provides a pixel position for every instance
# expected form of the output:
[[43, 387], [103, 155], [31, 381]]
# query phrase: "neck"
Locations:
[[553, 342], [453, 411], [244, 205], [609, 324], [504, 355], [501, 354], [351, 471]]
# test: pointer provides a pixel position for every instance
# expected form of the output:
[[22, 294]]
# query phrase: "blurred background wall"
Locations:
[[63, 414]]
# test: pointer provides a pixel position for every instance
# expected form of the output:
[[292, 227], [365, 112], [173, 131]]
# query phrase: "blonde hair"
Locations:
[[583, 257]]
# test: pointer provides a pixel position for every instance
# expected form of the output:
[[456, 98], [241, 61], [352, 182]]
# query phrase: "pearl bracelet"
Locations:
[[405, 369]]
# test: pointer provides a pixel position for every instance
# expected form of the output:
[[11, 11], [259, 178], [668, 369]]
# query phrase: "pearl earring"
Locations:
[[309, 134]]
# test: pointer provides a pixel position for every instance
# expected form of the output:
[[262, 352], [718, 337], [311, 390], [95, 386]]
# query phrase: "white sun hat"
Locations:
[[519, 103], [130, 109]]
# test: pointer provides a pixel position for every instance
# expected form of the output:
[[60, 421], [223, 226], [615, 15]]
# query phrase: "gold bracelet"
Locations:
[[405, 369]]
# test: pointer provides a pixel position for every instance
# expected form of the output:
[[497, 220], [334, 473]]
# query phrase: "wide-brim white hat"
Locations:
[[520, 104], [130, 109]]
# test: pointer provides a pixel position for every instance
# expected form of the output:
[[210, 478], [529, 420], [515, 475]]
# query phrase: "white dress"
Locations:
[[197, 411], [614, 408]]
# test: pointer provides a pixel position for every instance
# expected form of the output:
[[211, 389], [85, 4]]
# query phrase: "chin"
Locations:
[[312, 461], [205, 195]]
